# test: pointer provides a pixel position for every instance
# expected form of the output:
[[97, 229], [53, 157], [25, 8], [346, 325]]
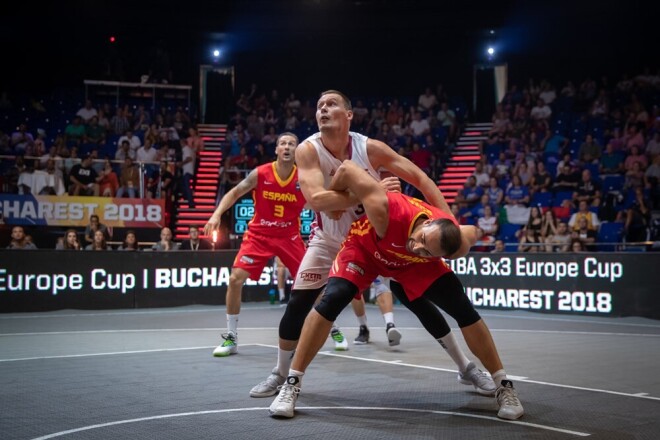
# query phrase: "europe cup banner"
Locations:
[[33, 210]]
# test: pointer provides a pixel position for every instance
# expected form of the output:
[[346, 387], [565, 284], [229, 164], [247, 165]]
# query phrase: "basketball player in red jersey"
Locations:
[[273, 231], [406, 239]]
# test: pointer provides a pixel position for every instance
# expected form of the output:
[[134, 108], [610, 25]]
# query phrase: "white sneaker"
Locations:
[[481, 381], [285, 403], [229, 347], [393, 334], [507, 399], [269, 386], [341, 344]]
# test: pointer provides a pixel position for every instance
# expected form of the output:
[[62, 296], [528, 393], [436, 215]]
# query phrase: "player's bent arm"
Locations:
[[469, 235], [372, 196], [312, 183], [246, 185], [381, 155]]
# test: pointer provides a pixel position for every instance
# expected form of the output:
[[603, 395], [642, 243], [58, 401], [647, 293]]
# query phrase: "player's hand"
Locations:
[[391, 184], [212, 225]]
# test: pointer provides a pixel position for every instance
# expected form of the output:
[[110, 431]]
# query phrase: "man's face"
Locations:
[[194, 233], [17, 233], [166, 234], [425, 240], [285, 148], [331, 112]]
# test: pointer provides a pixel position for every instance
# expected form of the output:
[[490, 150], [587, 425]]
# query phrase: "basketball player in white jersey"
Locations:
[[317, 158]]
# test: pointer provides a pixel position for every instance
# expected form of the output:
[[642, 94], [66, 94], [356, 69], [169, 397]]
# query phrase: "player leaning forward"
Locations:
[[406, 239]]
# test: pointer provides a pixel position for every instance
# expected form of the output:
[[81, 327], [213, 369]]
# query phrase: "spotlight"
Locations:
[[216, 53], [491, 51]]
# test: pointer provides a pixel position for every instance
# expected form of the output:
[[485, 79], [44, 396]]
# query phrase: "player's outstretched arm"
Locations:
[[246, 185]]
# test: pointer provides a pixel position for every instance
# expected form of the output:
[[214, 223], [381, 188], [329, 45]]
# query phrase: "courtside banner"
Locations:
[[51, 280], [75, 211], [596, 284]]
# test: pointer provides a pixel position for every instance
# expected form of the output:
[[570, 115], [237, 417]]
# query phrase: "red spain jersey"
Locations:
[[277, 203], [364, 255]]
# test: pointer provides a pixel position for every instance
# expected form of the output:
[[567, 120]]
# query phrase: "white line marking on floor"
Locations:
[[66, 356], [314, 408]]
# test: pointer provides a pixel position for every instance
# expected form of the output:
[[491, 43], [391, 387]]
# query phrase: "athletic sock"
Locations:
[[388, 317], [232, 324], [454, 351], [362, 320], [498, 377], [282, 294], [284, 358]]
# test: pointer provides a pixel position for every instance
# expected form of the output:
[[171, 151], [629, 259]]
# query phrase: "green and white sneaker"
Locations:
[[341, 344], [228, 347]]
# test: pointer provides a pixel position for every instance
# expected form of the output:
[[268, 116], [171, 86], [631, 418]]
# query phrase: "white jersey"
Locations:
[[323, 225], [327, 234]]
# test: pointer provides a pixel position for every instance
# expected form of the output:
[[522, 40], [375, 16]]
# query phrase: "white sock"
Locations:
[[498, 377], [232, 324], [284, 358], [298, 374], [282, 294], [362, 320], [388, 317], [454, 351]]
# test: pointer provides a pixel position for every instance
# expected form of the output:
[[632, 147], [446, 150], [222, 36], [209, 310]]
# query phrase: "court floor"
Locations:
[[149, 374]]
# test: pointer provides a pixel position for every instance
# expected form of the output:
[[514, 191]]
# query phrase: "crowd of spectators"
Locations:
[[562, 169]]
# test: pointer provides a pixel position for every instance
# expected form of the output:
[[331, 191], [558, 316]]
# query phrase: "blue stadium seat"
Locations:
[[609, 232], [613, 183], [542, 198], [508, 232], [560, 196]]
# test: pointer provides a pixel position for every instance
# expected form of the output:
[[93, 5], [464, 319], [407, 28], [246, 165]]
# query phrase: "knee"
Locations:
[[338, 294]]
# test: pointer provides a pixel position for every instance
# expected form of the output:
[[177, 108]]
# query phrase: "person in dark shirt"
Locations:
[[84, 179]]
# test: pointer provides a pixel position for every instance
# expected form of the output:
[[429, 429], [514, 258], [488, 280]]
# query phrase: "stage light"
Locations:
[[112, 39], [216, 53], [491, 51]]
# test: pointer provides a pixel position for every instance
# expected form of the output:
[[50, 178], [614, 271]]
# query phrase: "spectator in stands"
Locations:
[[501, 122], [633, 137], [98, 243], [124, 151], [481, 176], [187, 166], [75, 131], [611, 162], [478, 209], [525, 174], [638, 218], [547, 94], [419, 126], [94, 133], [470, 194], [161, 183], [166, 243], [653, 146], [146, 153], [38, 148], [130, 242], [109, 183], [93, 226], [141, 119], [530, 234], [194, 243], [635, 156], [87, 112], [134, 142], [590, 151], [516, 194], [634, 177], [502, 165], [69, 241], [541, 181], [585, 235], [588, 189], [84, 179], [488, 222], [498, 247], [652, 175], [19, 240], [119, 122], [566, 180], [195, 141], [578, 246], [560, 240], [494, 192], [427, 102], [541, 111], [593, 222], [447, 118], [129, 180], [548, 224], [421, 157], [21, 139]]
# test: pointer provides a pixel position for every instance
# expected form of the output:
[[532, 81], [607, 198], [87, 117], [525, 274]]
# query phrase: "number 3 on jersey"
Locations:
[[278, 211]]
